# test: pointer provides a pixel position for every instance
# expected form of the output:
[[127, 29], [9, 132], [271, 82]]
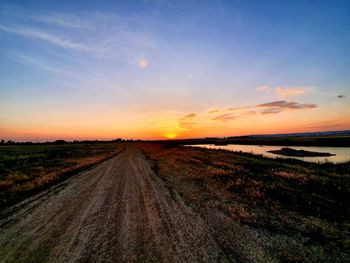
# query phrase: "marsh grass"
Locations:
[[27, 169], [298, 210]]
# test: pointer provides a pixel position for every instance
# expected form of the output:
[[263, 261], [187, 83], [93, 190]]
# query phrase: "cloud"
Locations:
[[264, 109], [102, 35], [188, 117], [282, 104], [213, 111], [34, 62], [191, 115], [341, 96], [238, 108], [232, 116], [263, 89], [271, 111], [62, 20], [142, 63], [44, 36], [225, 117], [45, 65], [281, 92]]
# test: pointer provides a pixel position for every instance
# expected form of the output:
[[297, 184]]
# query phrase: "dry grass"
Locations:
[[262, 209], [25, 170]]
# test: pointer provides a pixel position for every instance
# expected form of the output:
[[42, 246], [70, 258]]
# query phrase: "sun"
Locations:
[[170, 135]]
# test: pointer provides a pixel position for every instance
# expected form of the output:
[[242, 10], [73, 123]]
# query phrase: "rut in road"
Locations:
[[119, 211]]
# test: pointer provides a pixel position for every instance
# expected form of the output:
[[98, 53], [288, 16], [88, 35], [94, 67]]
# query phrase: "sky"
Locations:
[[172, 69]]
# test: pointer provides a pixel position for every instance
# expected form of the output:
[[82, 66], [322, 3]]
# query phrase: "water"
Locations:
[[342, 154]]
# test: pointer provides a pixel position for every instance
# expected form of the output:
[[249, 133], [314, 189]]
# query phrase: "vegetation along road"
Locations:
[[152, 202], [119, 210]]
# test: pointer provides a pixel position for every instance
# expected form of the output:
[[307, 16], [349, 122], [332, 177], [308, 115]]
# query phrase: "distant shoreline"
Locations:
[[319, 141]]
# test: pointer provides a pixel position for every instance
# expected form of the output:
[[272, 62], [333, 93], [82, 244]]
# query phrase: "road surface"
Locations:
[[119, 211]]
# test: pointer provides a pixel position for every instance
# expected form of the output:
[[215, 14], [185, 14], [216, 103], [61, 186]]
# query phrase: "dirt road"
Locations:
[[119, 211]]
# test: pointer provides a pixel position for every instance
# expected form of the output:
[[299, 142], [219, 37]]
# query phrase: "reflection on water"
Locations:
[[342, 154]]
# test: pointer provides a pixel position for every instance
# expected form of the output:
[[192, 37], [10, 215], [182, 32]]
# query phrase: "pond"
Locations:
[[342, 154]]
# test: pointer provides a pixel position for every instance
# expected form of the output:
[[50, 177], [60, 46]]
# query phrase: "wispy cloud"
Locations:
[[282, 104], [234, 115], [191, 115], [281, 92], [284, 92], [273, 107], [213, 111], [263, 89], [238, 108], [225, 117], [187, 122], [42, 64], [44, 36], [34, 62], [271, 111], [62, 20], [100, 35]]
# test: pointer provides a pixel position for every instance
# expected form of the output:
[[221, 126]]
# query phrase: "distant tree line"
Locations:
[[10, 142], [331, 141]]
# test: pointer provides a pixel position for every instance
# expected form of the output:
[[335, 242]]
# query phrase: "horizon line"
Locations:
[[174, 139]]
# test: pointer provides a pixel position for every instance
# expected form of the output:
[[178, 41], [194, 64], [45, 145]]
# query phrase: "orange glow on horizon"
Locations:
[[170, 135], [174, 125]]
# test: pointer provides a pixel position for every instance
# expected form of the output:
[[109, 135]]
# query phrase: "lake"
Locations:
[[342, 154]]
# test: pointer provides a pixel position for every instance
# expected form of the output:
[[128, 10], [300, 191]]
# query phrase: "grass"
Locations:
[[27, 169], [261, 209]]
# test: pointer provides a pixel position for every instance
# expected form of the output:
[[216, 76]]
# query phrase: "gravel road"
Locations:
[[118, 211]]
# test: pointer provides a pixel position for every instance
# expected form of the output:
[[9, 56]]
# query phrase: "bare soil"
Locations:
[[118, 211]]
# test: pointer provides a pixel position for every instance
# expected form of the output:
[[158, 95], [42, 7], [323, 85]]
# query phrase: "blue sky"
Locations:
[[100, 69]]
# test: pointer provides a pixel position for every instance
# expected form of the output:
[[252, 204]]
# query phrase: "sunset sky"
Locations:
[[172, 69]]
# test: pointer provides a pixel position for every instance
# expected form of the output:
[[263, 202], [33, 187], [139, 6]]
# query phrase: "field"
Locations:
[[27, 169], [262, 210], [163, 202]]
